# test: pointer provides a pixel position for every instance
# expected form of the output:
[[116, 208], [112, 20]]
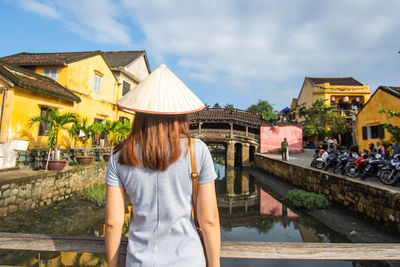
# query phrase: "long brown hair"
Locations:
[[159, 137]]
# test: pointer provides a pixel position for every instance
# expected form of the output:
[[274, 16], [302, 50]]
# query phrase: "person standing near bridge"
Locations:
[[153, 166], [285, 149]]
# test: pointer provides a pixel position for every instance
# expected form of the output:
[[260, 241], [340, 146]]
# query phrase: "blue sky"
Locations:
[[226, 51]]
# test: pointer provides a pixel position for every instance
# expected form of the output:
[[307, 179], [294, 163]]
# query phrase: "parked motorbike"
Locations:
[[320, 161], [343, 161], [354, 168], [373, 168], [315, 156], [390, 174], [332, 160]]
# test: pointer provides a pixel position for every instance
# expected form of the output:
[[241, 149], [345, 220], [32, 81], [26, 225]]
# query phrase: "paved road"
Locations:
[[304, 159], [301, 159]]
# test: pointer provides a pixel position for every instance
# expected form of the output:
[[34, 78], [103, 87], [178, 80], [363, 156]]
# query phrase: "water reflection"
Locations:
[[248, 212], [89, 223]]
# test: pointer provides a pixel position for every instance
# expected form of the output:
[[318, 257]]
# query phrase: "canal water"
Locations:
[[248, 212]]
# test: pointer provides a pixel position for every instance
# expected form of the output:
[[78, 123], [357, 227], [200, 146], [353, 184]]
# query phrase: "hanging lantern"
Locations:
[[358, 99], [346, 99], [333, 98]]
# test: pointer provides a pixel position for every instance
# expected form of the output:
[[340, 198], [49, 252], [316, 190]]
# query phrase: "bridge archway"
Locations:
[[252, 151], [239, 130], [238, 154]]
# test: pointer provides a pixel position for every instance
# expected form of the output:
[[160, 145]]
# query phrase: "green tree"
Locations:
[[321, 120], [88, 131], [394, 130], [116, 131], [123, 130], [56, 123], [266, 109], [73, 132]]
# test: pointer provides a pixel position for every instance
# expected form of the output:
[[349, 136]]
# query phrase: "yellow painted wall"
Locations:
[[62, 73], [81, 78], [370, 116], [306, 95], [23, 104], [310, 93], [6, 131], [27, 100], [326, 91]]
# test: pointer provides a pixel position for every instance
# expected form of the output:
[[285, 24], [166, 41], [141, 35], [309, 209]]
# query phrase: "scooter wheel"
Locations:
[[387, 178], [319, 164], [352, 171]]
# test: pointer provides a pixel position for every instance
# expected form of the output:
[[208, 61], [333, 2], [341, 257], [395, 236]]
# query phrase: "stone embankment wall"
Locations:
[[46, 187], [380, 203], [36, 158]]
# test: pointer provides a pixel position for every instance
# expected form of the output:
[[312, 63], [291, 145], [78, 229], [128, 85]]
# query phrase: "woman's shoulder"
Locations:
[[200, 144]]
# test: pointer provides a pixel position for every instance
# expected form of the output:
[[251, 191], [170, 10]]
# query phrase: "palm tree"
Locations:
[[56, 123], [87, 130], [74, 132], [123, 130], [99, 128], [113, 128]]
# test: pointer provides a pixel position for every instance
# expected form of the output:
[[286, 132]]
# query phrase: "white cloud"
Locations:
[[96, 20], [41, 9], [257, 44], [258, 47]]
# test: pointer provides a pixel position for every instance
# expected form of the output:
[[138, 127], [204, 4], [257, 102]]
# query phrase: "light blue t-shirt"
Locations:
[[162, 231]]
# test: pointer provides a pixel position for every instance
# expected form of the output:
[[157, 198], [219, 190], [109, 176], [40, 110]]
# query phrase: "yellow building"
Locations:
[[86, 75], [340, 92], [369, 123], [128, 67], [23, 95]]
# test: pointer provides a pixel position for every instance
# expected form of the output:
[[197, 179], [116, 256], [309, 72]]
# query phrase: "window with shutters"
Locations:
[[43, 127], [97, 83], [51, 73], [126, 87], [365, 132], [373, 132]]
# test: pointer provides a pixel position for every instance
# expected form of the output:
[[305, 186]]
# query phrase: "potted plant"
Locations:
[[116, 131], [86, 131], [73, 132], [56, 122], [102, 130]]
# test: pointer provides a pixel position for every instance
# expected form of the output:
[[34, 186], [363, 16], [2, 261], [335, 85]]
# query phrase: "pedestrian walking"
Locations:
[[284, 149], [161, 169]]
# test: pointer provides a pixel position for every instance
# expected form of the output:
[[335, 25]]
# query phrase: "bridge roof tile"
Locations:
[[234, 115]]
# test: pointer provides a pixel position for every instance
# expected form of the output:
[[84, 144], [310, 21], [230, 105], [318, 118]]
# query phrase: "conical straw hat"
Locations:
[[161, 93]]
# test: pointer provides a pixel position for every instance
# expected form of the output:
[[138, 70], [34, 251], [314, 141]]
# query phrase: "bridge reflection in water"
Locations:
[[249, 212]]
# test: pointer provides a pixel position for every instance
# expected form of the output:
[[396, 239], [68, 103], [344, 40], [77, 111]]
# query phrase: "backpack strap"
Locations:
[[195, 177]]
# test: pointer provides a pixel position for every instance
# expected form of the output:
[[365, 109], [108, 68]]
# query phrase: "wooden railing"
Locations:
[[253, 250], [224, 133]]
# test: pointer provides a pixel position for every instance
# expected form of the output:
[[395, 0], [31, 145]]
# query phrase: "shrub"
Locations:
[[303, 199], [96, 194]]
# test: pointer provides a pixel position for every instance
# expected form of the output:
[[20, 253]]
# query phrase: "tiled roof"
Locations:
[[344, 81], [35, 59], [32, 81], [233, 115], [395, 91], [117, 59]]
